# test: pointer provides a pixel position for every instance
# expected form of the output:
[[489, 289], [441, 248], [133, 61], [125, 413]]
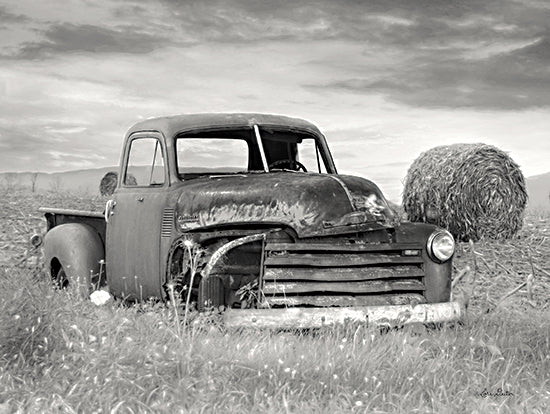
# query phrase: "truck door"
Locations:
[[134, 227]]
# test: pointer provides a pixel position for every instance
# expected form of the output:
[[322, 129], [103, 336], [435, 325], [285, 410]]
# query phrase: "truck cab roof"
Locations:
[[172, 125]]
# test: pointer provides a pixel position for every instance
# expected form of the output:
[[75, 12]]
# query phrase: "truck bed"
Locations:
[[58, 216]]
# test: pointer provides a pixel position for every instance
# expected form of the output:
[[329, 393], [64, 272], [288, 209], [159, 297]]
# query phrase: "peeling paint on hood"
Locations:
[[367, 197], [305, 202]]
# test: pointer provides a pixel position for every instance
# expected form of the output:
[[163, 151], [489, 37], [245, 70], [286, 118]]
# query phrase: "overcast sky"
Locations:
[[384, 80]]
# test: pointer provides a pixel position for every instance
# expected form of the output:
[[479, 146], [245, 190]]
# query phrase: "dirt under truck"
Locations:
[[249, 213]]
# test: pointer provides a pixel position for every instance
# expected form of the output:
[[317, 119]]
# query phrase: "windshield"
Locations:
[[293, 155], [211, 155], [240, 151]]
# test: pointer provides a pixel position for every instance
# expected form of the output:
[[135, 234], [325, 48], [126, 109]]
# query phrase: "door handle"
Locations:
[[109, 209]]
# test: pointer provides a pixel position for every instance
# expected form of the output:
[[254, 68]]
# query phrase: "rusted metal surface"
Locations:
[[134, 240], [57, 216], [302, 201], [341, 274], [371, 286], [343, 260], [343, 300], [340, 247], [172, 125], [223, 250], [67, 212], [303, 318]]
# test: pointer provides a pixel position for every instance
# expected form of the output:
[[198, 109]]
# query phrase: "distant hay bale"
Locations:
[[108, 183], [473, 190]]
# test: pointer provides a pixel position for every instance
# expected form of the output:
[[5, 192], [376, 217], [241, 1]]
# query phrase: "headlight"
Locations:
[[441, 246]]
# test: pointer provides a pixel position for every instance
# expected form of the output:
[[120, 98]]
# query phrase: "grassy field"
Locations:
[[59, 353]]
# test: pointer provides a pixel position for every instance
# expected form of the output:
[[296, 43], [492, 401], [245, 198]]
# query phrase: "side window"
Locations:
[[309, 156], [145, 163]]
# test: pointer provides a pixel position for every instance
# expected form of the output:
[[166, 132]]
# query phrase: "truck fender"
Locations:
[[72, 253]]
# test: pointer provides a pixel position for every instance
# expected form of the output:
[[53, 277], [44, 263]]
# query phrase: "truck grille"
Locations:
[[302, 274]]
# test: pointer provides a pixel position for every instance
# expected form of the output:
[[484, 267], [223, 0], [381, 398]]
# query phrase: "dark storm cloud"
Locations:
[[385, 22], [513, 80], [458, 56], [247, 21], [464, 53], [8, 17], [125, 10], [403, 24], [398, 24], [428, 53], [70, 38]]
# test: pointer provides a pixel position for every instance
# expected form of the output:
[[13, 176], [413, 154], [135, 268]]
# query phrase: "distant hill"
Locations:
[[87, 182], [80, 181], [538, 188]]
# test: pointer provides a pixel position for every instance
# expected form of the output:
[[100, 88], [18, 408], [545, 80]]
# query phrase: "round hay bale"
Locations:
[[108, 183], [473, 190]]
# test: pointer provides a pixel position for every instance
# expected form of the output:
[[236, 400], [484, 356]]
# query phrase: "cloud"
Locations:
[[385, 79], [6, 16], [517, 79], [402, 24], [68, 38], [383, 22], [47, 149], [248, 22]]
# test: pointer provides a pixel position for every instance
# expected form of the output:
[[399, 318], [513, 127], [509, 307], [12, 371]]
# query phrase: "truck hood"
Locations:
[[311, 204]]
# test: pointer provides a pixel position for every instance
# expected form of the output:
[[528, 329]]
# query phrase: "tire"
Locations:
[[59, 277], [211, 293]]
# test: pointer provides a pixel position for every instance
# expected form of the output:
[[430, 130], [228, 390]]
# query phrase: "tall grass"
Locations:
[[59, 353]]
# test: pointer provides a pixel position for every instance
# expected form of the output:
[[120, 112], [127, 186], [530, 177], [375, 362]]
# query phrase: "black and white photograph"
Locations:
[[251, 206]]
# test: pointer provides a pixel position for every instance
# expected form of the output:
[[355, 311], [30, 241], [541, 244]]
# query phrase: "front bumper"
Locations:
[[304, 318]]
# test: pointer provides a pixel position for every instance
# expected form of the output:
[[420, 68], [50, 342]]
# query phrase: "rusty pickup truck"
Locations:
[[247, 212]]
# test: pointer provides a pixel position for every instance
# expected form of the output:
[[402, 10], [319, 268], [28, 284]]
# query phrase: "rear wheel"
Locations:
[[61, 279], [75, 254]]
